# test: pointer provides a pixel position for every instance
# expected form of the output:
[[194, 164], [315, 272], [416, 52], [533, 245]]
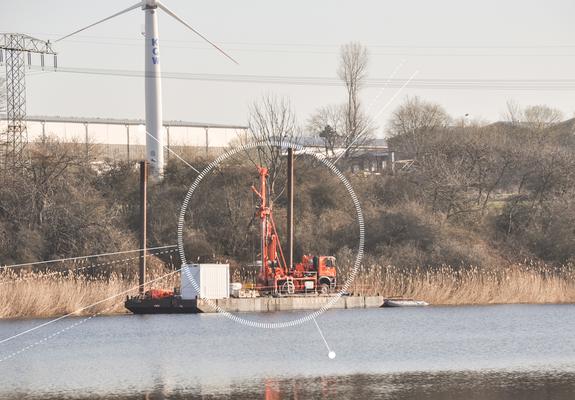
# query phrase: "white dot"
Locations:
[[331, 354]]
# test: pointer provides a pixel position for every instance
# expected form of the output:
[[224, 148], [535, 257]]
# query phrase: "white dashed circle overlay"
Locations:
[[301, 150]]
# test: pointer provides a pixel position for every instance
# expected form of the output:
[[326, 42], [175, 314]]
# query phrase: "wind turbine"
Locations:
[[153, 87]]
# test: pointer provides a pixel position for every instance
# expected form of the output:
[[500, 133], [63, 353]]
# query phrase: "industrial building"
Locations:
[[125, 139]]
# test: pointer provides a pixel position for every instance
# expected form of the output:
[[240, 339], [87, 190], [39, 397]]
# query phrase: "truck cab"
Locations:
[[324, 269]]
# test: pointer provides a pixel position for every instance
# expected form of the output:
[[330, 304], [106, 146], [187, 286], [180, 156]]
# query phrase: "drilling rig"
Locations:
[[313, 274]]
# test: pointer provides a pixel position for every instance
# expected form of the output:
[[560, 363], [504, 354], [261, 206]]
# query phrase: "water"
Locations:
[[486, 352]]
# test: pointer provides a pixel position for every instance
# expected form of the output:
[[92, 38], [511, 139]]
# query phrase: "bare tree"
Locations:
[[412, 122], [328, 123], [541, 117], [353, 71], [535, 118], [513, 115], [272, 119], [50, 161]]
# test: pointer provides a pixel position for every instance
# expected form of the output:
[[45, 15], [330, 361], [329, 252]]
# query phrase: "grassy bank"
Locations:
[[43, 294]]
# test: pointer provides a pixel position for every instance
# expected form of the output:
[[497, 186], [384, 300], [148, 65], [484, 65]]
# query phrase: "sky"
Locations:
[[441, 39]]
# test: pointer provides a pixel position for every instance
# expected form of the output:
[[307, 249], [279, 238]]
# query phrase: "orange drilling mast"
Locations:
[[273, 268], [312, 274]]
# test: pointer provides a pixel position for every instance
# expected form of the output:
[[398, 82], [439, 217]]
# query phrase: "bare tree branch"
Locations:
[[353, 71], [412, 122], [328, 124], [272, 119]]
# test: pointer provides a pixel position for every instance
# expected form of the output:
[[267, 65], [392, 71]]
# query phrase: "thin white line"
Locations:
[[84, 308], [321, 334], [46, 338], [25, 278], [385, 86], [81, 257], [380, 111], [396, 94], [276, 142], [170, 150]]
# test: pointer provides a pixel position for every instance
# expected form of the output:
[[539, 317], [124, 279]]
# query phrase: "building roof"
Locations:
[[121, 121], [316, 141]]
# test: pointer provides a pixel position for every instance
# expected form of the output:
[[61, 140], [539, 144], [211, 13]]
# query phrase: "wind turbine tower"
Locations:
[[153, 77]]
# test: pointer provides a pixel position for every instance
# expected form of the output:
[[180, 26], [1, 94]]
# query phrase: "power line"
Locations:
[[16, 47], [83, 257], [379, 112], [307, 50], [137, 38], [34, 328], [102, 264], [427, 83]]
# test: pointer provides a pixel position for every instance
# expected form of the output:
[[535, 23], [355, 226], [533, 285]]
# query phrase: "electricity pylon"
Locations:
[[14, 49]]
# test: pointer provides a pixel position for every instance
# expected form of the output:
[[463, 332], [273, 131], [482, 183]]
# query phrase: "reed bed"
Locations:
[[448, 285], [44, 294], [49, 293]]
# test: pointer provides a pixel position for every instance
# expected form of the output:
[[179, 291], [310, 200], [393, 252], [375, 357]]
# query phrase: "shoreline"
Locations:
[[41, 295], [128, 313]]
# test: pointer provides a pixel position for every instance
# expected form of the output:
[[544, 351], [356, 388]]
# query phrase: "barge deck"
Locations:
[[175, 305]]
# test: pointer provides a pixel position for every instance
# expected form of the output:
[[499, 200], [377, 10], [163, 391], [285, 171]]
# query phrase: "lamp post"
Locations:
[[463, 120]]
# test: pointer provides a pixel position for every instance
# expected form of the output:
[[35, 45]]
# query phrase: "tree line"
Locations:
[[462, 192]]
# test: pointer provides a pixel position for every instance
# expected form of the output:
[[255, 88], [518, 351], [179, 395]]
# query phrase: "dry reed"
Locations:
[[450, 286], [42, 294]]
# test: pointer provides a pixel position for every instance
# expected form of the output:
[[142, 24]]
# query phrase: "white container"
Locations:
[[213, 281], [235, 288]]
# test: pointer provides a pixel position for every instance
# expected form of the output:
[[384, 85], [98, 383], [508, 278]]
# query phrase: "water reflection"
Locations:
[[493, 353], [275, 389], [493, 385]]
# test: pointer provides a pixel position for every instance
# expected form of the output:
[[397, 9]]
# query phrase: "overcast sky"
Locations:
[[441, 39]]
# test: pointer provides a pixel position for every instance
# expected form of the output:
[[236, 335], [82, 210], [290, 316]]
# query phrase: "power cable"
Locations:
[[83, 257], [427, 83]]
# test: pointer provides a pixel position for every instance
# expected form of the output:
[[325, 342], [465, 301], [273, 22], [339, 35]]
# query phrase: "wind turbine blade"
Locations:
[[173, 15], [102, 20]]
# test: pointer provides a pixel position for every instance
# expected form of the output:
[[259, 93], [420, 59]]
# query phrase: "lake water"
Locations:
[[484, 352]]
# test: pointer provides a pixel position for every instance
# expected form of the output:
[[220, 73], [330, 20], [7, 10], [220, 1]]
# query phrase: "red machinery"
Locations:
[[311, 274]]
